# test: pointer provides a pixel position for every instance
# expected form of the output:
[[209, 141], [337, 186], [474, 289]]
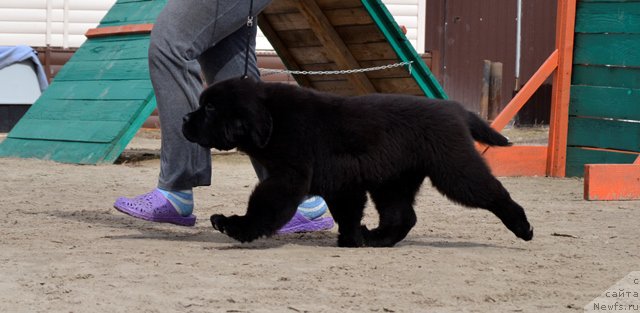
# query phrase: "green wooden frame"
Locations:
[[605, 91], [403, 48], [99, 99]]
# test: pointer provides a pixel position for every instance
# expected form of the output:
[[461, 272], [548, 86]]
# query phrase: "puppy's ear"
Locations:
[[204, 96], [262, 124]]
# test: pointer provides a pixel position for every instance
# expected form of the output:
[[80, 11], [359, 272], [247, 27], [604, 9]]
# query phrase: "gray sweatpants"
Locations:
[[191, 37]]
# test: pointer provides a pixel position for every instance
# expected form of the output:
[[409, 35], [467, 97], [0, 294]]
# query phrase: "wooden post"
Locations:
[[495, 90], [559, 121], [484, 97]]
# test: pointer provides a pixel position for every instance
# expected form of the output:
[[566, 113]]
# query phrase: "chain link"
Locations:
[[268, 72]]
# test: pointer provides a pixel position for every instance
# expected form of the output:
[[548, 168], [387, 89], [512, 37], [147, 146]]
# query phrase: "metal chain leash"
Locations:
[[268, 72]]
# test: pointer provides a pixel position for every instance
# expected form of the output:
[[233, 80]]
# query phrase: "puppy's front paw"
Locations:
[[218, 222], [236, 227], [352, 240]]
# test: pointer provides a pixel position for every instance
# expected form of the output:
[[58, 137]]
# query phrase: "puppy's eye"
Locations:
[[209, 107]]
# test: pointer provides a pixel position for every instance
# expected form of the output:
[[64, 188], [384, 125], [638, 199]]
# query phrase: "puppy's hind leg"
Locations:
[[464, 178], [346, 207], [271, 205], [394, 203]]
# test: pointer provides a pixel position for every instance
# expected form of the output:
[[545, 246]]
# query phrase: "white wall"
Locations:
[[411, 14], [62, 23]]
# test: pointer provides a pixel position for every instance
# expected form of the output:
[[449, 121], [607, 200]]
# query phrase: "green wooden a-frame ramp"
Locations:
[[102, 96], [97, 101]]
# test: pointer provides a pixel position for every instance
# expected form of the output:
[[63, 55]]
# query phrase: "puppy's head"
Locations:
[[231, 114]]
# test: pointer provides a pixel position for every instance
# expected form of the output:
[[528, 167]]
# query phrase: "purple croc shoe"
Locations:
[[154, 207], [300, 224]]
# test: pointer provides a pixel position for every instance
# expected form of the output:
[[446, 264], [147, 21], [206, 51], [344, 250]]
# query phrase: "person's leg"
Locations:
[[191, 36], [227, 59], [182, 32]]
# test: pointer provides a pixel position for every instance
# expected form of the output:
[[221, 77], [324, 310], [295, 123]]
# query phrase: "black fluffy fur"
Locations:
[[340, 148]]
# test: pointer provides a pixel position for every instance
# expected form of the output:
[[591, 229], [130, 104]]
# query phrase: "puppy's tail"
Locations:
[[483, 133]]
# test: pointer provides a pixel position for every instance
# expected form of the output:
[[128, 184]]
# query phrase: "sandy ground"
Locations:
[[64, 249]]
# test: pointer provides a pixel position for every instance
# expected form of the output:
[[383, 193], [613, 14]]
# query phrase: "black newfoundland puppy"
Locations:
[[340, 148]]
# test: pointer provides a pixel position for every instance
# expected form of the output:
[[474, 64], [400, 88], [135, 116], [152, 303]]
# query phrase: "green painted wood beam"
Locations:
[[403, 48], [608, 17], [605, 102], [607, 49], [604, 134], [577, 157], [606, 76]]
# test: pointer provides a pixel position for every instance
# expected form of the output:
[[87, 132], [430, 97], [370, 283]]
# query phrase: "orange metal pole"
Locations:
[[557, 152], [637, 162]]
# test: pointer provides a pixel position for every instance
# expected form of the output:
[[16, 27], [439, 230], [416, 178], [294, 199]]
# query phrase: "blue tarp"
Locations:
[[14, 54]]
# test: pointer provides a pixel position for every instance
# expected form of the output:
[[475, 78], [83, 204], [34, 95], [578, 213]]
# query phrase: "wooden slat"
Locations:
[[86, 110], [578, 157], [609, 76], [612, 182], [353, 34], [288, 6], [361, 52], [99, 90], [334, 46], [605, 102], [136, 69], [397, 85], [339, 87], [59, 151], [606, 134], [64, 130], [608, 17], [126, 48], [342, 17], [607, 49], [119, 30], [289, 60]]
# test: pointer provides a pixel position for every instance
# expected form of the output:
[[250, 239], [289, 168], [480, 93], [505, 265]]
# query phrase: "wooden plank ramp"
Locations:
[[330, 35], [99, 99]]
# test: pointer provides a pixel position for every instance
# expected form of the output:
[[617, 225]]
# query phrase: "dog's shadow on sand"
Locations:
[[204, 233]]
